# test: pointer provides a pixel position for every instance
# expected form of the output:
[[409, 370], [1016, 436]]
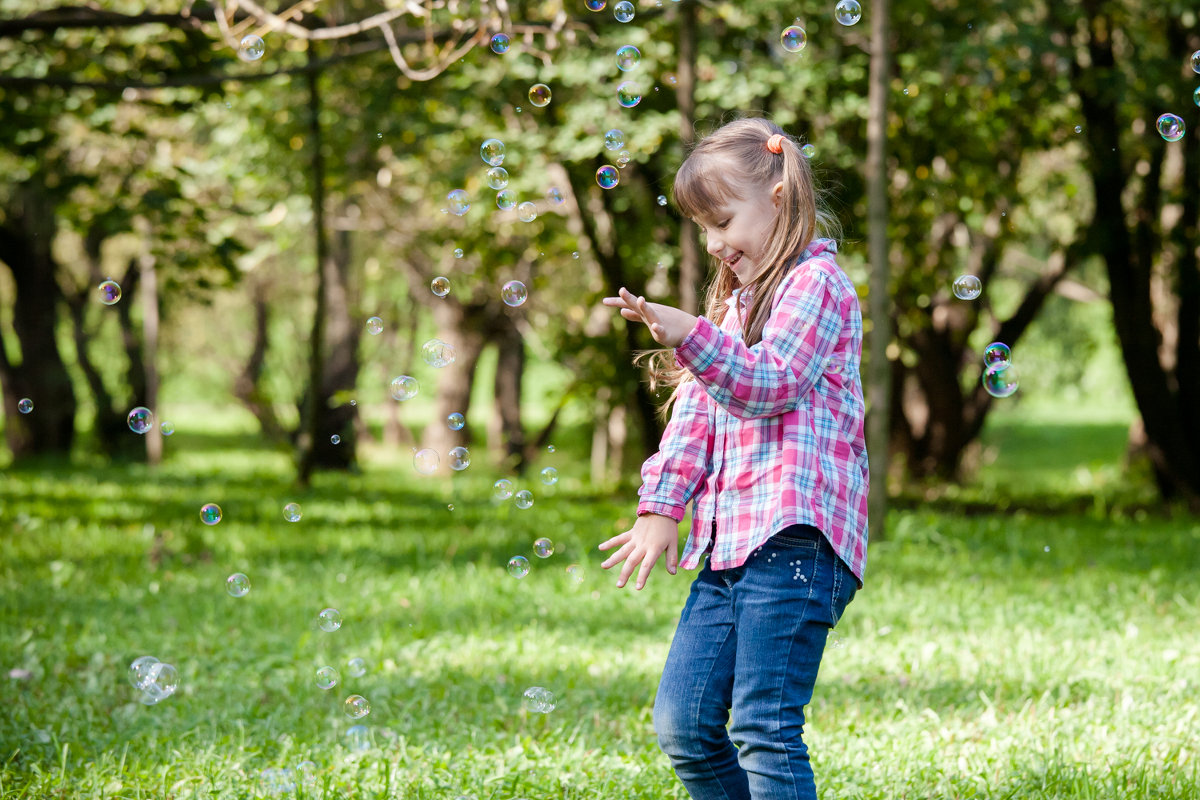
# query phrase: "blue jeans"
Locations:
[[750, 640]]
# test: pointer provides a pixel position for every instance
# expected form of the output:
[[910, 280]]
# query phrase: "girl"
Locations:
[[766, 438]]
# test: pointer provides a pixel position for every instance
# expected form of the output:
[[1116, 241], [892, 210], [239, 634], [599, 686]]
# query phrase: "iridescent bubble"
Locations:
[[440, 286], [607, 176], [167, 427], [1196, 96], [426, 461], [374, 326], [623, 11], [550, 449], [1196, 61], [539, 700], [335, 439], [458, 252], [356, 667], [404, 387], [539, 95], [967, 287], [327, 677], [670, 79], [527, 211], [110, 292], [576, 573], [628, 57], [543, 547], [549, 476], [237, 584], [1079, 129], [291, 512], [575, 255], [497, 177], [997, 353], [1001, 380], [329, 620], [1171, 127], [614, 140], [629, 94], [500, 43], [210, 513], [460, 458], [456, 421], [518, 566], [513, 293], [793, 38], [492, 152], [555, 195], [623, 158], [662, 200], [524, 498], [502, 489], [808, 150], [251, 48], [356, 706], [358, 738], [161, 681], [847, 12], [139, 671], [595, 5], [459, 202], [437, 353], [140, 420], [505, 200], [25, 405]]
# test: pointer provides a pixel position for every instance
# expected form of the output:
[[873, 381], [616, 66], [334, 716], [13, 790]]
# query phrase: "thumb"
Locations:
[[672, 556]]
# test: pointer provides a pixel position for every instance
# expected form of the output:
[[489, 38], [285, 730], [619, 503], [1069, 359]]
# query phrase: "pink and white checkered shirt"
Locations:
[[770, 435]]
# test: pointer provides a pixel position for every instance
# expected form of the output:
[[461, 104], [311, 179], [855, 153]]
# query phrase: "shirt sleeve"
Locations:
[[773, 375], [671, 476]]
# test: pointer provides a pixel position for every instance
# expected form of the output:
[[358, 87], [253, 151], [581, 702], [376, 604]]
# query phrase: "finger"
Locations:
[[672, 557], [647, 565], [631, 563], [617, 557], [620, 538]]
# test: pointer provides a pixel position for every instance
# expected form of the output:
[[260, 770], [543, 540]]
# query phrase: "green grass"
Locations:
[[993, 654]]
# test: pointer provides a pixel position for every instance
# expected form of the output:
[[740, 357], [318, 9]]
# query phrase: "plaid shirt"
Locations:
[[770, 435]]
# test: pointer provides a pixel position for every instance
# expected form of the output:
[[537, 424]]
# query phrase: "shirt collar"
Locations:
[[815, 248]]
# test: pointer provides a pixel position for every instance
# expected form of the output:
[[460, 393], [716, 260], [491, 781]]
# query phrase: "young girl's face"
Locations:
[[737, 231]]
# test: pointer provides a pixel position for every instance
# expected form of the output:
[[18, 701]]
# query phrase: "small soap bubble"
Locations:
[[358, 738], [1196, 61], [595, 5], [793, 38], [996, 353], [492, 152], [139, 671], [110, 292], [549, 476], [237, 584], [523, 498], [808, 150], [440, 286], [458, 252], [607, 176], [167, 427], [459, 203], [210, 513], [356, 706], [967, 287], [550, 449], [543, 547], [437, 353], [327, 677], [500, 43], [662, 200], [456, 421], [539, 700], [539, 95], [291, 512], [502, 489], [356, 667], [513, 293], [426, 461], [329, 620], [1171, 127], [1079, 129], [335, 439], [847, 12], [460, 458], [518, 566], [623, 158], [629, 94], [497, 177], [140, 420], [506, 200], [374, 326], [670, 78], [251, 48], [575, 572], [25, 405], [450, 506], [1196, 96], [628, 57], [623, 11], [614, 139], [555, 195], [527, 211], [1001, 380], [404, 387]]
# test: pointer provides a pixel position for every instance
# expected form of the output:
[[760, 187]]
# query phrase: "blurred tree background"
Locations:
[[257, 212]]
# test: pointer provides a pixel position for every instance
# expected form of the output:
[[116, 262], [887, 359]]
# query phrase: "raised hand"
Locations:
[[668, 325], [649, 538]]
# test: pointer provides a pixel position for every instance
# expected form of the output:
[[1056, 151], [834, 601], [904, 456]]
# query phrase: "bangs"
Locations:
[[703, 186]]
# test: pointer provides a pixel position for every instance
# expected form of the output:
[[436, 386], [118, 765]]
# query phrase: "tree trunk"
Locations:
[[149, 275], [510, 372], [460, 326], [339, 370], [247, 386]]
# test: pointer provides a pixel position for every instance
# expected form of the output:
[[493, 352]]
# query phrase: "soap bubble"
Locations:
[[967, 287], [167, 428], [502, 489], [1001, 380], [426, 461], [793, 38], [607, 176], [505, 200], [524, 498], [1079, 129], [539, 95], [996, 353], [492, 152], [291, 512], [210, 513], [555, 195], [1196, 61], [549, 476], [335, 439], [1171, 127], [160, 682], [330, 619], [500, 43], [460, 458], [404, 387], [629, 94], [576, 573], [437, 353], [497, 177], [1196, 96], [25, 405], [662, 200], [251, 48], [358, 738], [458, 252], [456, 421], [356, 706], [539, 700], [550, 449], [237, 584], [628, 57], [518, 566], [374, 326], [327, 677], [459, 202], [808, 151], [623, 11], [594, 5], [527, 211], [139, 671], [440, 286], [543, 547], [623, 158], [513, 293], [110, 292], [847, 12], [140, 419], [614, 139], [356, 667]]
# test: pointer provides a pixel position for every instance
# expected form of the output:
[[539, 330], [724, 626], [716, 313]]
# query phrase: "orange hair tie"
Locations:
[[775, 143]]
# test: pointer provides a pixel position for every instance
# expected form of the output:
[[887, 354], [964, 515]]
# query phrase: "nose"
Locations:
[[713, 244]]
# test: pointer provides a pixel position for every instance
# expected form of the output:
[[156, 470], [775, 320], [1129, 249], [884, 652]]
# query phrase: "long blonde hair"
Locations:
[[728, 164]]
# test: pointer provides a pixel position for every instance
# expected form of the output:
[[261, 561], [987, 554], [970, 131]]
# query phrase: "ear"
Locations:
[[777, 194]]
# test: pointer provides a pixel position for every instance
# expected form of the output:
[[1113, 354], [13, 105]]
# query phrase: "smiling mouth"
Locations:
[[734, 259]]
